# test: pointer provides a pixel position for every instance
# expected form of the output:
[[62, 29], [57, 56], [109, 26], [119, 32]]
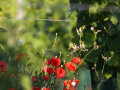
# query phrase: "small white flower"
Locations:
[[21, 41], [109, 58], [73, 83], [93, 68], [83, 46], [80, 30], [92, 28], [74, 48], [106, 58]]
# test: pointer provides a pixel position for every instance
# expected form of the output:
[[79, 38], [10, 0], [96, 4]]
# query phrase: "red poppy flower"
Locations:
[[46, 77], [21, 54], [70, 66], [75, 82], [71, 88], [17, 59], [50, 70], [35, 88], [12, 89], [54, 61], [48, 61], [60, 72], [67, 83], [44, 88], [77, 60], [34, 79], [3, 66], [70, 85], [60, 76], [44, 69]]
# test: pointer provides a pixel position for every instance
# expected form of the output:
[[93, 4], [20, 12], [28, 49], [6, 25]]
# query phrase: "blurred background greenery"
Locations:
[[24, 29]]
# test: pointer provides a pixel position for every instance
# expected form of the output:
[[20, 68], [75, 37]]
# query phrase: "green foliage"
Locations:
[[26, 82], [102, 15], [36, 38]]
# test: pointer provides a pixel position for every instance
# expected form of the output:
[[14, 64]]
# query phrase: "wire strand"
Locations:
[[39, 19]]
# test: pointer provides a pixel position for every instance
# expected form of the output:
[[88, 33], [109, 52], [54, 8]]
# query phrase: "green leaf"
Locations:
[[93, 56], [114, 61], [96, 78], [3, 30], [114, 20], [73, 18], [107, 18], [94, 8], [26, 82], [88, 37], [108, 74]]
